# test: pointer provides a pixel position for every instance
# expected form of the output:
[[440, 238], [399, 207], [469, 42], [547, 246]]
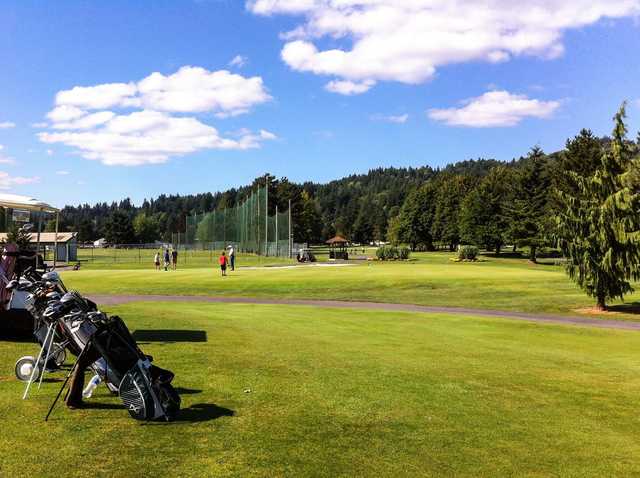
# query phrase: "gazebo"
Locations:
[[338, 248]]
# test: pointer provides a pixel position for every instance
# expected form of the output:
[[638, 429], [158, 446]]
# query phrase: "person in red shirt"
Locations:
[[223, 263]]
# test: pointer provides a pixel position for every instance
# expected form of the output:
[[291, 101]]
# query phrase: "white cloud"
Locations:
[[399, 119], [150, 133], [98, 97], [348, 88], [7, 181], [49, 152], [189, 90], [39, 125], [87, 121], [63, 173], [150, 137], [407, 40], [494, 109], [239, 61], [195, 90], [5, 159], [7, 124]]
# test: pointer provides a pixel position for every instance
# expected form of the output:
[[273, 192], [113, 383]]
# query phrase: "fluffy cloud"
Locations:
[[137, 123], [7, 181], [149, 137], [406, 41], [493, 109], [7, 124], [193, 89]]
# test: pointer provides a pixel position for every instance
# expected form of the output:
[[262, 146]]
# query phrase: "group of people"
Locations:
[[170, 259], [227, 260]]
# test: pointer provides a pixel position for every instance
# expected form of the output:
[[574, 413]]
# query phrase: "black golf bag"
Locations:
[[145, 389]]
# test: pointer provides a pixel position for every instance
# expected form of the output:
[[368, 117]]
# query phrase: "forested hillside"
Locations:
[[484, 202]]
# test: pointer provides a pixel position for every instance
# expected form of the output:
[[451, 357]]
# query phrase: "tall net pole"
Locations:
[[266, 215], [290, 237]]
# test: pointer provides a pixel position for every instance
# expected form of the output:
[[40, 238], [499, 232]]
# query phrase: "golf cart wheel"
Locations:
[[24, 368], [59, 355]]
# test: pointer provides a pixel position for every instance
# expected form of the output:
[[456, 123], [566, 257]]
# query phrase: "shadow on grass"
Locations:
[[187, 391], [631, 308], [170, 336], [203, 412]]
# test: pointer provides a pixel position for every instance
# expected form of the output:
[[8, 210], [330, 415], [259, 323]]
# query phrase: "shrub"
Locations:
[[389, 253], [403, 253], [467, 253]]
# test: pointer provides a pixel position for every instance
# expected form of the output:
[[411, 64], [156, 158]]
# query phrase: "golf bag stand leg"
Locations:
[[37, 364], [66, 380]]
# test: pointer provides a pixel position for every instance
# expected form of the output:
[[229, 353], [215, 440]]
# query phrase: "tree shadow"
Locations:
[[203, 412], [630, 308], [170, 336]]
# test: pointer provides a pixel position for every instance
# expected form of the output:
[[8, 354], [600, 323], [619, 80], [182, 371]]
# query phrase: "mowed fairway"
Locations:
[[300, 391], [432, 279]]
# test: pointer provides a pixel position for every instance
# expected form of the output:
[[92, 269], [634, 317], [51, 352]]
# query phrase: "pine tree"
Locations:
[[452, 190], [413, 225], [528, 210], [599, 227], [483, 220]]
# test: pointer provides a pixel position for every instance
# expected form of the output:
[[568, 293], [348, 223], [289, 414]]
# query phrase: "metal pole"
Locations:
[[290, 241], [266, 215], [55, 242], [277, 231], [38, 240]]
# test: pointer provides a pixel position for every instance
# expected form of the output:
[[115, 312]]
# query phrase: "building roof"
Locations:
[[337, 240], [25, 202], [47, 236]]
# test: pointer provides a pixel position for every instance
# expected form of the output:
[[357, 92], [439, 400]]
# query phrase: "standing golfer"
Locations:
[[166, 259], [174, 258], [223, 263], [232, 257], [156, 261]]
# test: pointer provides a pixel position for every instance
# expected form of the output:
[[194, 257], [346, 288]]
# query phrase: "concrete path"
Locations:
[[542, 318]]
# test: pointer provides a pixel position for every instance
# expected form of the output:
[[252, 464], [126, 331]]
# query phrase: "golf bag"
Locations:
[[144, 389]]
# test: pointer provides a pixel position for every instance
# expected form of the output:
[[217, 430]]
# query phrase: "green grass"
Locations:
[[337, 392], [430, 279], [111, 258]]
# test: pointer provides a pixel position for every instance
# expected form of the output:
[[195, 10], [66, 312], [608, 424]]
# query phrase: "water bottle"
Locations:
[[88, 391]]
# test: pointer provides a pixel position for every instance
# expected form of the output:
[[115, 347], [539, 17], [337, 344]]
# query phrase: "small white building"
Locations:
[[67, 244]]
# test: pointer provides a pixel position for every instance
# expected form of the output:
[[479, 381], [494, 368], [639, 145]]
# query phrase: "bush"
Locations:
[[467, 253], [403, 253], [392, 253]]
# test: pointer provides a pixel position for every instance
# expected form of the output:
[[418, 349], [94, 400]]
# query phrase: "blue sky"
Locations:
[[320, 90]]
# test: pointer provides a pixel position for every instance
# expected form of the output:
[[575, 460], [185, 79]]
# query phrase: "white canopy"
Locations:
[[15, 201]]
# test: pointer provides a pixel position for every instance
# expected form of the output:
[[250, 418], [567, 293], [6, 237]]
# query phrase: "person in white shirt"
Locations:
[[232, 257]]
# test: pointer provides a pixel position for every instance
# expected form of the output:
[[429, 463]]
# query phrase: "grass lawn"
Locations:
[[347, 393], [111, 258], [430, 279]]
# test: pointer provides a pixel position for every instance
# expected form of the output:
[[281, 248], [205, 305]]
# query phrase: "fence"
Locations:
[[248, 226]]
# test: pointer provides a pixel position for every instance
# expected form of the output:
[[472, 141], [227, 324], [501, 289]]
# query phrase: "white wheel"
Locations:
[[24, 368]]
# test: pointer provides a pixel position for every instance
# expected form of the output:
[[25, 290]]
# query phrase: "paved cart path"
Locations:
[[542, 318]]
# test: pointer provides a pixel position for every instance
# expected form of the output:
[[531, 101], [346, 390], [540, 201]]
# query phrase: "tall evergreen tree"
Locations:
[[119, 228], [415, 220], [483, 219], [452, 190], [599, 226], [528, 209]]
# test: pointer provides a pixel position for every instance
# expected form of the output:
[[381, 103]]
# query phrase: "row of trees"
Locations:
[[515, 203]]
